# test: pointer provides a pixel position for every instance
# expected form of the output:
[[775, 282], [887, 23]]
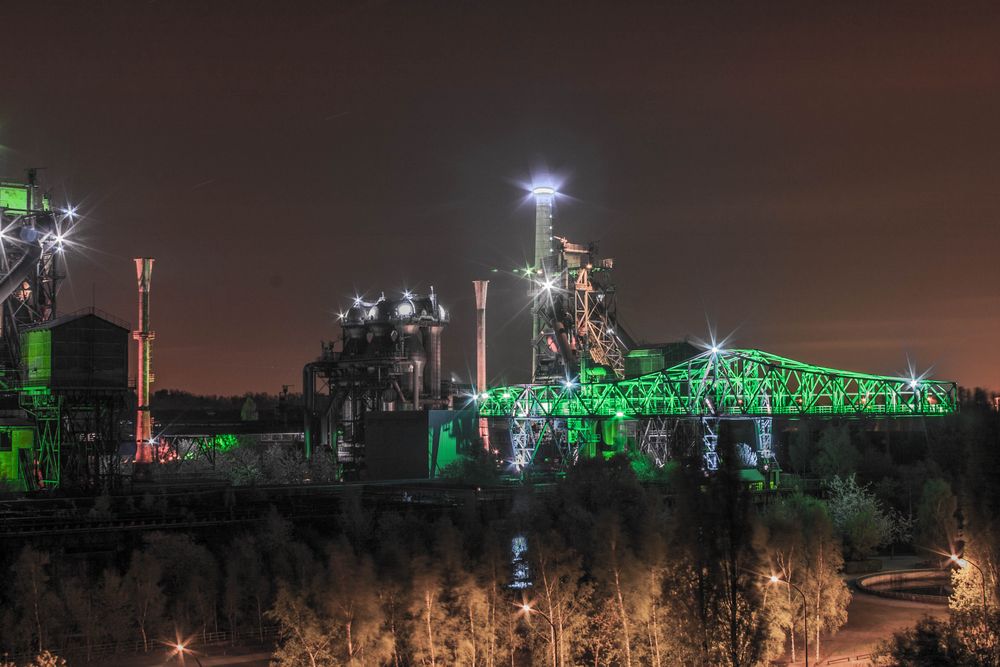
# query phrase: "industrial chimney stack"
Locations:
[[481, 286], [545, 199], [144, 337]]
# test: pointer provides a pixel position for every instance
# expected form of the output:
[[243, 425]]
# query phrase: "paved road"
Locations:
[[870, 619], [215, 657]]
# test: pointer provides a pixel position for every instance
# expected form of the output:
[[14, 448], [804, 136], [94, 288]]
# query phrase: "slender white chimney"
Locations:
[[480, 286]]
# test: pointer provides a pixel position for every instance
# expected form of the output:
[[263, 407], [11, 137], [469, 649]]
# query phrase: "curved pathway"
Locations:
[[870, 619]]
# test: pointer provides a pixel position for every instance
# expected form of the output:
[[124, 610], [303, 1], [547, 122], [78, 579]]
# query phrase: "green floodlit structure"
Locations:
[[595, 391], [739, 384]]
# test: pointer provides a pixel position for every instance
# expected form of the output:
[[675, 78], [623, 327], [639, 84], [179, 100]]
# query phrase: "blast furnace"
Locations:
[[388, 359]]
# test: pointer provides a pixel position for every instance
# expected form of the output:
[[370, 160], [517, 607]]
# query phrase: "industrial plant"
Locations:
[[433, 334], [65, 383], [374, 395], [596, 392], [375, 400]]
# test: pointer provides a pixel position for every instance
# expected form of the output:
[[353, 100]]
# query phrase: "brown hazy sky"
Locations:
[[824, 180]]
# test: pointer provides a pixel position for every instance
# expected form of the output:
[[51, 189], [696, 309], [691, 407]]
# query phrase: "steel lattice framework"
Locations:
[[576, 316], [716, 385], [596, 325], [731, 383], [31, 245]]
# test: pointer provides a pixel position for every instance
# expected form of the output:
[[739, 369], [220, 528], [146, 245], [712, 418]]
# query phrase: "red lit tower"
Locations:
[[144, 337]]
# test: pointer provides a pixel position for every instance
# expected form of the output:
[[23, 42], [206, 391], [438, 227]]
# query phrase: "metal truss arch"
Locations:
[[730, 384]]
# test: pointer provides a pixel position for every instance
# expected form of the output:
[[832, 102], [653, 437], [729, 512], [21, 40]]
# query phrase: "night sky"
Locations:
[[826, 185]]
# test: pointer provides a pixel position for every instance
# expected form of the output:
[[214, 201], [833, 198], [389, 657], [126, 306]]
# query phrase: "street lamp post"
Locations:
[[528, 611], [805, 611], [982, 576], [182, 649]]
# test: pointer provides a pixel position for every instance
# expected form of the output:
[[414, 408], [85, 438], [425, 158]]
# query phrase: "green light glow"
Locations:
[[14, 197], [12, 441], [224, 442], [212, 444], [731, 383], [451, 435], [36, 355]]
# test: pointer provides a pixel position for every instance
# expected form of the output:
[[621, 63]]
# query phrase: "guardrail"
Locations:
[[865, 583]]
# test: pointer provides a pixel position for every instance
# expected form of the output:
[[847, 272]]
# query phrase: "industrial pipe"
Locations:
[[414, 348], [16, 276], [432, 345], [308, 398]]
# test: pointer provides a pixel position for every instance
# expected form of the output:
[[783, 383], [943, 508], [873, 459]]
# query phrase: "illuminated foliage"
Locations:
[[805, 550], [859, 516], [959, 640]]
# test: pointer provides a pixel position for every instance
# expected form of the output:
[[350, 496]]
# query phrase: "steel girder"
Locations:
[[729, 384], [528, 435], [47, 412], [595, 325]]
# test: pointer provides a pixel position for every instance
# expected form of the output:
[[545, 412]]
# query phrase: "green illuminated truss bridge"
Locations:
[[712, 386]]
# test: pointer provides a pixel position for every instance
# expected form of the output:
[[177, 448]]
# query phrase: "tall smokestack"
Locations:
[[545, 197], [544, 202], [432, 344], [144, 337], [481, 286]]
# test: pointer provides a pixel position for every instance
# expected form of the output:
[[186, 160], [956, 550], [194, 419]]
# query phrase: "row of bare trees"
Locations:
[[172, 585], [595, 570], [598, 571]]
